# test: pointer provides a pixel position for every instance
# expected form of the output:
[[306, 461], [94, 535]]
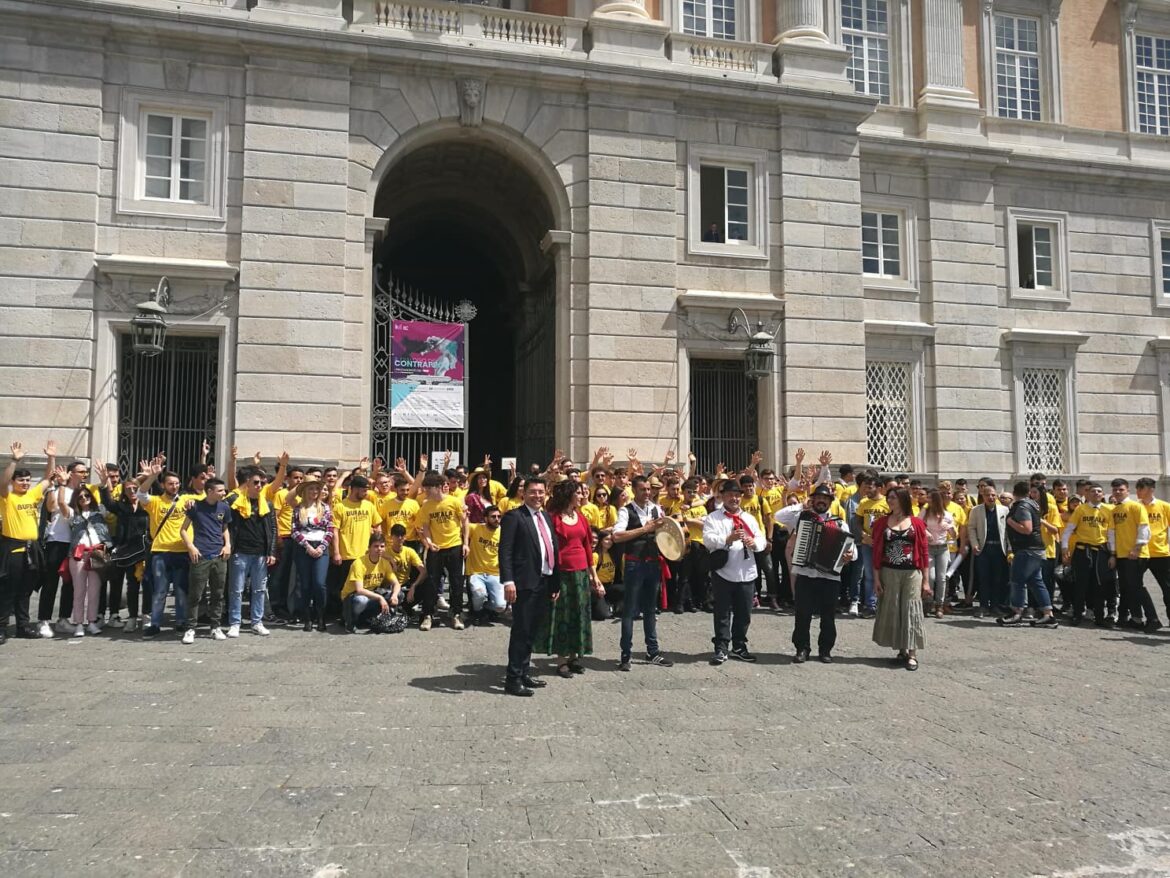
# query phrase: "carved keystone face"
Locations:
[[472, 91]]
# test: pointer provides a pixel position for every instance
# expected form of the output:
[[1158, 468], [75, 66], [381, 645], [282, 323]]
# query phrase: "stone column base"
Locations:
[[623, 39], [950, 114], [808, 63]]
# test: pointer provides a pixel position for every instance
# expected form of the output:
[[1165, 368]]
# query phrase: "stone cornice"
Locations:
[[1044, 336], [157, 266]]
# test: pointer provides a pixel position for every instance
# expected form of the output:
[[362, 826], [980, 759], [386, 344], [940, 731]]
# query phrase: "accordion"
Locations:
[[820, 546]]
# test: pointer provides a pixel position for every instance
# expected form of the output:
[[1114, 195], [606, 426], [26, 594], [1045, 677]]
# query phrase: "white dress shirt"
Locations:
[[717, 527], [650, 510]]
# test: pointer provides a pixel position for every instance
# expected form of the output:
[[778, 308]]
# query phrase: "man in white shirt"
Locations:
[[816, 590], [733, 584], [636, 526]]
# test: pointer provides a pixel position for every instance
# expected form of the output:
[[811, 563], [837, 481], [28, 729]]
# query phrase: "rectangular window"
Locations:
[[174, 158], [889, 415], [1017, 68], [881, 247], [709, 18], [865, 32], [725, 204], [1153, 84], [1036, 260], [1165, 265], [1045, 419]]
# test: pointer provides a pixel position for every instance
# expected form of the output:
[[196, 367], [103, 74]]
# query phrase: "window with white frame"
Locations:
[[172, 155], [1044, 403], [1152, 71], [1160, 262], [709, 18], [727, 200], [1017, 67], [889, 414], [1037, 254], [865, 32], [881, 244]]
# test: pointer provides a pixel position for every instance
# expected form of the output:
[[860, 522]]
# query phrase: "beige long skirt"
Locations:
[[899, 611]]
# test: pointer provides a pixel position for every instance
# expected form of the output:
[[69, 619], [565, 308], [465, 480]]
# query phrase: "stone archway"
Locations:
[[467, 217]]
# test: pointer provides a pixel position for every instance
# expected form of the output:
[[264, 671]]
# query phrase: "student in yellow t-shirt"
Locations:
[[1093, 579], [442, 521], [757, 507], [406, 563], [1158, 511], [355, 520], [870, 508], [396, 506], [169, 564], [1129, 538], [20, 505], [360, 600], [606, 571], [483, 568]]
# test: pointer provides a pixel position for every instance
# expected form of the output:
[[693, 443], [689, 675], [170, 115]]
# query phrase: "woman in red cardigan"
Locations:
[[900, 560]]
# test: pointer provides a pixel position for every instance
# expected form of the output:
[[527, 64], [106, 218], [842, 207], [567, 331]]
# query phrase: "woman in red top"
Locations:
[[900, 559], [568, 631]]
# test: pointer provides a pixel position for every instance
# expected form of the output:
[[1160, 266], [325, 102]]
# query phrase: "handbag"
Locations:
[[717, 560], [97, 560], [129, 554]]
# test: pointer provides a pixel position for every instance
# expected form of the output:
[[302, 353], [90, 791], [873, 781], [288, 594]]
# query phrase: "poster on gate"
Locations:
[[426, 375]]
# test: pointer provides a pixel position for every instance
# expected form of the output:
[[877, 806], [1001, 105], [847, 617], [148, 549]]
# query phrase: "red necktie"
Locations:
[[542, 528]]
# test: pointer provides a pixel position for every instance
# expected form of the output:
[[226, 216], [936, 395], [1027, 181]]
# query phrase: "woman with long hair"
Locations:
[[89, 540], [568, 628], [512, 498], [900, 561], [479, 496], [312, 533], [940, 530]]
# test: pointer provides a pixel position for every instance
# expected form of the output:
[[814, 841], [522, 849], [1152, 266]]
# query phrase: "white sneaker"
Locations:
[[854, 609], [93, 628], [425, 624], [189, 636], [233, 631], [115, 621], [457, 623], [64, 626], [442, 603], [45, 630], [1113, 617], [217, 634], [79, 631], [131, 624], [259, 628]]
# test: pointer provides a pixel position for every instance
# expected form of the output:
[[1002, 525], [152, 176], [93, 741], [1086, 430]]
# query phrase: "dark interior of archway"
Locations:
[[447, 259], [466, 222]]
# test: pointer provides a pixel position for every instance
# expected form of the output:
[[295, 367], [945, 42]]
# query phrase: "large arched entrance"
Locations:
[[468, 221]]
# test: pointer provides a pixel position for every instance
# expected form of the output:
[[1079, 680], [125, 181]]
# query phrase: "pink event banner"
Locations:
[[426, 375]]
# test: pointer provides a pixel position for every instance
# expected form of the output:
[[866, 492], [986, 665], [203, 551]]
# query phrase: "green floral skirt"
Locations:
[[567, 628]]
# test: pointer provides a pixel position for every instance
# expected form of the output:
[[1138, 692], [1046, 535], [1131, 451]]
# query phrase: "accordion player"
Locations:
[[820, 545]]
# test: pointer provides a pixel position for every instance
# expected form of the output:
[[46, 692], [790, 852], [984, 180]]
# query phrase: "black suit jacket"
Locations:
[[520, 548]]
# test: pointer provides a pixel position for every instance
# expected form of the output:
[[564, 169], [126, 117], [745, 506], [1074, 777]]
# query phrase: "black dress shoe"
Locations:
[[27, 632], [533, 683], [515, 687], [827, 659], [3, 637], [801, 657]]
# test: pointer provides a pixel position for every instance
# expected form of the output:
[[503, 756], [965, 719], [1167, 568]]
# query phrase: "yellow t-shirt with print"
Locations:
[[167, 529], [284, 511], [22, 515], [592, 514], [1051, 538], [403, 563], [445, 519], [1090, 525], [395, 511], [1127, 517], [757, 507], [354, 521], [1159, 514], [368, 574], [869, 511], [483, 553], [844, 492], [605, 568], [696, 512]]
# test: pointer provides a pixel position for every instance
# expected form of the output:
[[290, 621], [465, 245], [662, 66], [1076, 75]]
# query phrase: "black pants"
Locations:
[[733, 611], [695, 564], [1160, 568], [816, 596], [530, 604], [783, 574], [678, 589], [1130, 573], [54, 554], [278, 583], [1093, 582], [334, 580], [16, 588], [451, 561], [115, 579], [765, 573]]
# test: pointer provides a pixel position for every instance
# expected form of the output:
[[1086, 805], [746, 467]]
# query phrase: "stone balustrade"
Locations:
[[722, 55]]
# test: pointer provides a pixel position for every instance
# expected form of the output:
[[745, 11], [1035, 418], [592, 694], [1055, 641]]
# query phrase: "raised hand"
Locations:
[[446, 460], [400, 464], [720, 468], [235, 452], [283, 459], [364, 464], [423, 460], [487, 461], [51, 448], [691, 458], [256, 459], [799, 457], [206, 447], [670, 455], [631, 453], [61, 474], [826, 458], [757, 456], [17, 450]]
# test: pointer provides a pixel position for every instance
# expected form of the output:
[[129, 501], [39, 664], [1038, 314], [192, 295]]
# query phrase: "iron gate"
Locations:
[[393, 300], [168, 403], [724, 414], [536, 375]]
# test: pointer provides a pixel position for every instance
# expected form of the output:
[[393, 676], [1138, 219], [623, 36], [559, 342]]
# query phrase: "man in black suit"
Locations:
[[528, 561]]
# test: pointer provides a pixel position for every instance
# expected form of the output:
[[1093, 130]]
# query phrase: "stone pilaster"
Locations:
[[947, 109], [805, 57]]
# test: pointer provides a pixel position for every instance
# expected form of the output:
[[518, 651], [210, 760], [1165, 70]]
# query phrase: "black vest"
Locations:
[[642, 548]]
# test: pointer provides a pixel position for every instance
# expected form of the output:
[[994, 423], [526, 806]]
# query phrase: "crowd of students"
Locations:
[[309, 546]]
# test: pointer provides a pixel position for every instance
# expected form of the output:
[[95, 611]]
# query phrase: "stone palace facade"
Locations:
[[952, 215]]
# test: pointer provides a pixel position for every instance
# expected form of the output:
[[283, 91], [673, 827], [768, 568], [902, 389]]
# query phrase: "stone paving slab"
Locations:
[[1010, 752]]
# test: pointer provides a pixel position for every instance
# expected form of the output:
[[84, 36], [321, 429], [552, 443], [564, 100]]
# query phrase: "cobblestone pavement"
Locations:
[[1010, 752]]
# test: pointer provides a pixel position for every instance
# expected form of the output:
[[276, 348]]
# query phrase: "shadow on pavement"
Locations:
[[467, 678]]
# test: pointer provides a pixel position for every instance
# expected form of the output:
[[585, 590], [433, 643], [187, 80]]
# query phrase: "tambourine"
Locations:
[[671, 540]]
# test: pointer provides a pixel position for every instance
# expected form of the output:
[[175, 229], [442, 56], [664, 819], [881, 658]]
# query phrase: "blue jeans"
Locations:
[[642, 583], [169, 568], [311, 573], [357, 609], [868, 599], [1028, 575], [255, 568], [486, 589]]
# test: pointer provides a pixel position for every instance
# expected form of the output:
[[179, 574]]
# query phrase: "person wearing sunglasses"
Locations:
[[253, 531]]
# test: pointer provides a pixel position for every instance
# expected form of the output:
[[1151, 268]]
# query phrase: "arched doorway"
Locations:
[[465, 220]]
